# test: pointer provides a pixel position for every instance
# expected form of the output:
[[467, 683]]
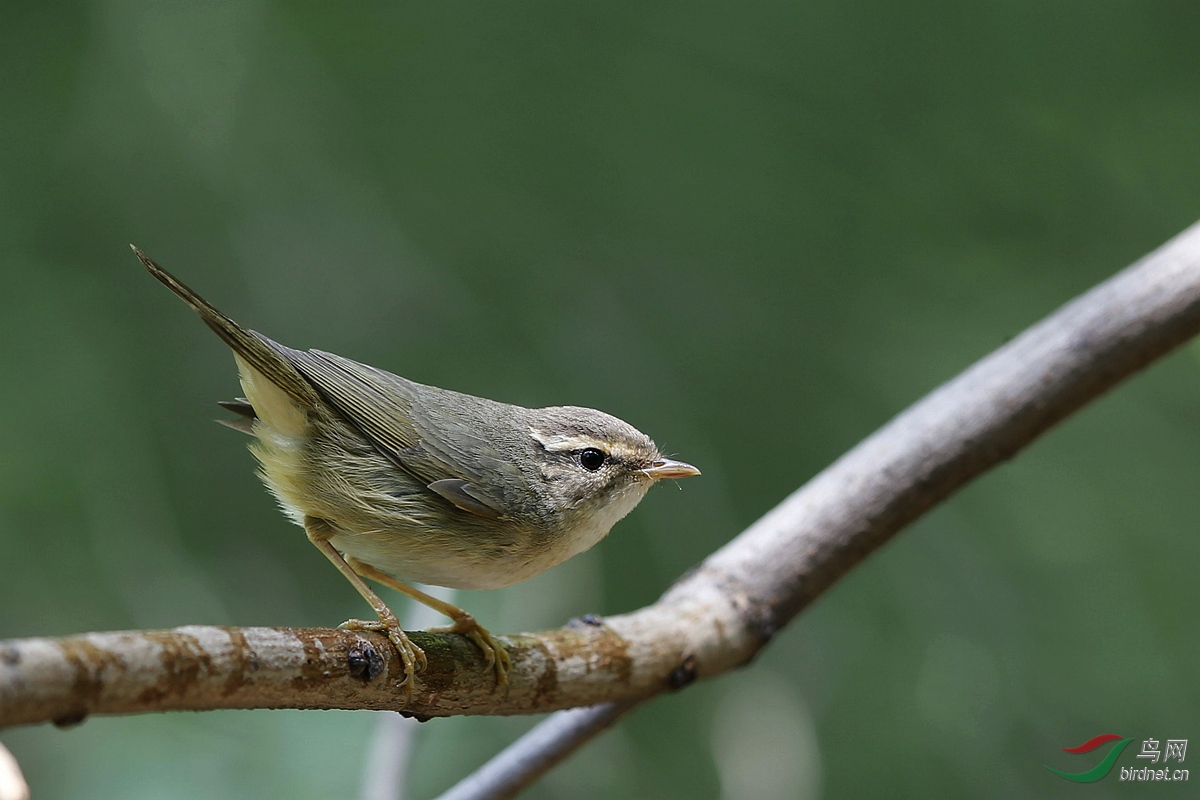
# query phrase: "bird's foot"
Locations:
[[494, 652], [411, 656]]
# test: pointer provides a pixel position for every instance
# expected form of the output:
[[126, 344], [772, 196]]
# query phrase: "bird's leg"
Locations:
[[411, 656], [464, 623]]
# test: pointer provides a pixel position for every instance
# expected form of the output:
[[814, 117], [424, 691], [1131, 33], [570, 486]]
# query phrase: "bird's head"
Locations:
[[595, 468]]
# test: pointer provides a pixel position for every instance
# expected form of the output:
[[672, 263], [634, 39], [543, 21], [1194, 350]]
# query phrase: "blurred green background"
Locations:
[[756, 231]]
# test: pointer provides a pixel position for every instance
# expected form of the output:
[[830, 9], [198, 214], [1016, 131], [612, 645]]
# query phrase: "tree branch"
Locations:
[[12, 782], [716, 617], [529, 757]]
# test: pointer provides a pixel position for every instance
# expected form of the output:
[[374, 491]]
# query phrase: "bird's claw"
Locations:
[[495, 655], [411, 656]]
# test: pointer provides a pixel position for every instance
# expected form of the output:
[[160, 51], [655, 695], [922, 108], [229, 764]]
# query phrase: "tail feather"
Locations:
[[257, 350], [239, 405]]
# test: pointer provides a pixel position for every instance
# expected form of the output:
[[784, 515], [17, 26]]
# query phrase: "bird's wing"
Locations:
[[432, 433]]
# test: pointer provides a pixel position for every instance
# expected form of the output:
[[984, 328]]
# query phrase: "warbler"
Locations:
[[397, 481]]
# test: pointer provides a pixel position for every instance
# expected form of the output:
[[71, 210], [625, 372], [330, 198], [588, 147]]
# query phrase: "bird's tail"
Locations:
[[256, 349]]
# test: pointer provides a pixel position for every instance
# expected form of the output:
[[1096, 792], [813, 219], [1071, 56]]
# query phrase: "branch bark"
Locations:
[[716, 617]]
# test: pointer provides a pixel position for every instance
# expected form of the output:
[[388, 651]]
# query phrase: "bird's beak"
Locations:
[[667, 468]]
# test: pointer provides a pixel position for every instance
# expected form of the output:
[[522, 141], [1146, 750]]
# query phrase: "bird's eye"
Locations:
[[591, 459]]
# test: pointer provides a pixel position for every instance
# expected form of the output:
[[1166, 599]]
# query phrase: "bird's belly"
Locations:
[[483, 558], [495, 560], [437, 564]]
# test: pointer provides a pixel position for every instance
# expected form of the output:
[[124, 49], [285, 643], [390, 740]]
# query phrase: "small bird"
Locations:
[[395, 480]]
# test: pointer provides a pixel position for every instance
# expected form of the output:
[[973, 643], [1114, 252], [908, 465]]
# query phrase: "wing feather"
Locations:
[[432, 433]]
